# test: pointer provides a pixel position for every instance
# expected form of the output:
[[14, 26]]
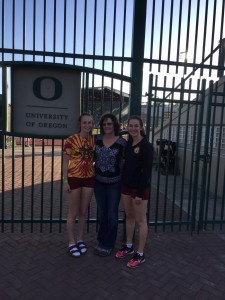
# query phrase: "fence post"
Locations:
[[197, 156], [140, 7], [221, 62]]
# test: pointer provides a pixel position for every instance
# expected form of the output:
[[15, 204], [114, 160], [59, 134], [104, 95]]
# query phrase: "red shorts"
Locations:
[[76, 183], [126, 190]]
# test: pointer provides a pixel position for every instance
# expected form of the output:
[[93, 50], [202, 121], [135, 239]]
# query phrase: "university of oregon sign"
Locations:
[[45, 100]]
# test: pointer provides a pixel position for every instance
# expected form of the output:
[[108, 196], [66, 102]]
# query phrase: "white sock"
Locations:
[[80, 241], [140, 253], [129, 245]]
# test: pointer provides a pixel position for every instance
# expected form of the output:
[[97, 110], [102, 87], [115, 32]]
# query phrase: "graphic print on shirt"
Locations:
[[137, 150], [107, 159]]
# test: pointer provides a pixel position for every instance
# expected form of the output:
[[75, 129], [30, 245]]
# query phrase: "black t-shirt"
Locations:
[[137, 167]]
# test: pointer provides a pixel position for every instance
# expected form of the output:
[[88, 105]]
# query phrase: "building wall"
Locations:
[[187, 132]]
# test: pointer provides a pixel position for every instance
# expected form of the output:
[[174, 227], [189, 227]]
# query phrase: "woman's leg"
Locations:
[[141, 220], [86, 194], [100, 195], [130, 217], [73, 211], [113, 195]]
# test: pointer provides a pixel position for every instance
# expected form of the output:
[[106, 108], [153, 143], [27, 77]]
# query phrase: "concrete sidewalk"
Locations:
[[178, 266]]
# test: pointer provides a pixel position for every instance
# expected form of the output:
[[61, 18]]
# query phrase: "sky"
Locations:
[[104, 33]]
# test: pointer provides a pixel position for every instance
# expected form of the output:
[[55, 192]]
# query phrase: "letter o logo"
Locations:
[[40, 86]]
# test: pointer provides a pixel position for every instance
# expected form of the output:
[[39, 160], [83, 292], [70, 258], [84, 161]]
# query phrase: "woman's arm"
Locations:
[[66, 159], [146, 168]]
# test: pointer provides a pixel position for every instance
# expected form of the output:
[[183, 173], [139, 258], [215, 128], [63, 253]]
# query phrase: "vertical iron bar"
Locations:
[[223, 202], [74, 31], [212, 36], [152, 33], [196, 34], [211, 136], [4, 126], [13, 174], [190, 192], [176, 173], [205, 162], [94, 51], [32, 184], [42, 185], [86, 93], [103, 61], [44, 30], [52, 182], [61, 189], [54, 31], [187, 34], [148, 124], [221, 58], [167, 166], [184, 157], [149, 106], [218, 158], [24, 27], [113, 55], [159, 168], [64, 30], [170, 131], [22, 185], [85, 31], [3, 30], [34, 28], [13, 29], [170, 34], [122, 62], [179, 32], [197, 155], [161, 35], [204, 35]]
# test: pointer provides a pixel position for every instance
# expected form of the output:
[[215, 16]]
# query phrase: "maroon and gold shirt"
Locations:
[[81, 152]]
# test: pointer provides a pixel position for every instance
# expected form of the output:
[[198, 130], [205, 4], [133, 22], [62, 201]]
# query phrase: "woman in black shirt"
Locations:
[[136, 178]]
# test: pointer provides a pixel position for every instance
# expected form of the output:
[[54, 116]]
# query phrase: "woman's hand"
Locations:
[[66, 187]]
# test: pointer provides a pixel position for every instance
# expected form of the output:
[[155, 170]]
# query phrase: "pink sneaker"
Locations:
[[136, 261], [124, 251]]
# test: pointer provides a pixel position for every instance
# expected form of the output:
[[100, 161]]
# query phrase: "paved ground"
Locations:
[[36, 265], [178, 266]]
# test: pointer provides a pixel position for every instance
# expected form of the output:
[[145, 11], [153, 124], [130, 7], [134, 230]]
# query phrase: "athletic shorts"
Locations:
[[126, 190], [76, 183]]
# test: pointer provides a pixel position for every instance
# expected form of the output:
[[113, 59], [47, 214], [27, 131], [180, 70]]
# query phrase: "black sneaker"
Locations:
[[124, 251], [136, 261]]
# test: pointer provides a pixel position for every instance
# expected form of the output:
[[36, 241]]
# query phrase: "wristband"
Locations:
[[65, 181]]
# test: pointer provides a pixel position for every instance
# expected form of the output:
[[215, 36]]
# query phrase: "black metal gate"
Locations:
[[116, 45]]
